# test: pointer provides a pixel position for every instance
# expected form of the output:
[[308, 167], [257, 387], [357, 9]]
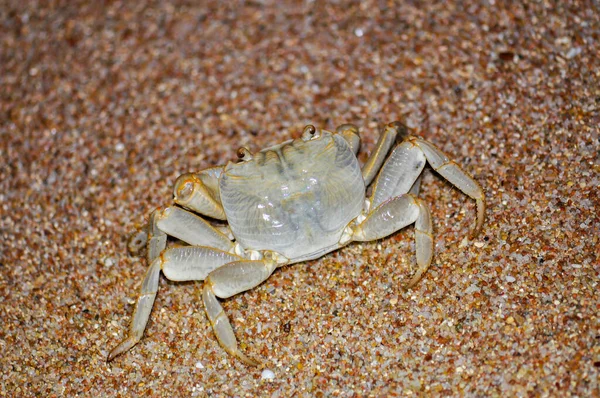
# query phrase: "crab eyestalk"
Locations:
[[309, 132], [244, 154]]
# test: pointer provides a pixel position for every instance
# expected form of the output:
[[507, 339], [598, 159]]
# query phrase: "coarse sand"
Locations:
[[104, 104]]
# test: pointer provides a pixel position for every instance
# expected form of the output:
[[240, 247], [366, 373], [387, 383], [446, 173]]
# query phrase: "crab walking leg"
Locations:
[[178, 264], [190, 228], [385, 142], [193, 263], [149, 236], [232, 278], [394, 215], [180, 224], [350, 134], [416, 187], [423, 242], [456, 176], [157, 239], [399, 173], [143, 307]]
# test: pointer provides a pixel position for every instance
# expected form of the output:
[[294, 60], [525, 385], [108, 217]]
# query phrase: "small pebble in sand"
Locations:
[[267, 374]]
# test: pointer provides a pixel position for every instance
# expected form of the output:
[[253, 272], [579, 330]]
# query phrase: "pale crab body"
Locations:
[[295, 198], [292, 202]]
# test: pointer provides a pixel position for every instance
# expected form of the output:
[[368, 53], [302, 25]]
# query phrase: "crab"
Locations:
[[289, 203]]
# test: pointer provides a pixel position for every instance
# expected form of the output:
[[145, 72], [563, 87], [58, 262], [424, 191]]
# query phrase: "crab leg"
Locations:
[[157, 239], [423, 242], [377, 157], [178, 264], [399, 173], [181, 224], [232, 278], [416, 188], [350, 134], [394, 215], [143, 307], [456, 176], [150, 236], [184, 225]]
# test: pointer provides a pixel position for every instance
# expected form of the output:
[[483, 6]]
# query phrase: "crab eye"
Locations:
[[309, 133], [244, 154]]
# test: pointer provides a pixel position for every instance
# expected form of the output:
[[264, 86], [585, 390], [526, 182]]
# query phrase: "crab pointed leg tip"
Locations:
[[480, 217], [411, 284], [123, 346], [414, 280], [111, 356], [478, 227], [475, 232], [114, 353], [247, 360]]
